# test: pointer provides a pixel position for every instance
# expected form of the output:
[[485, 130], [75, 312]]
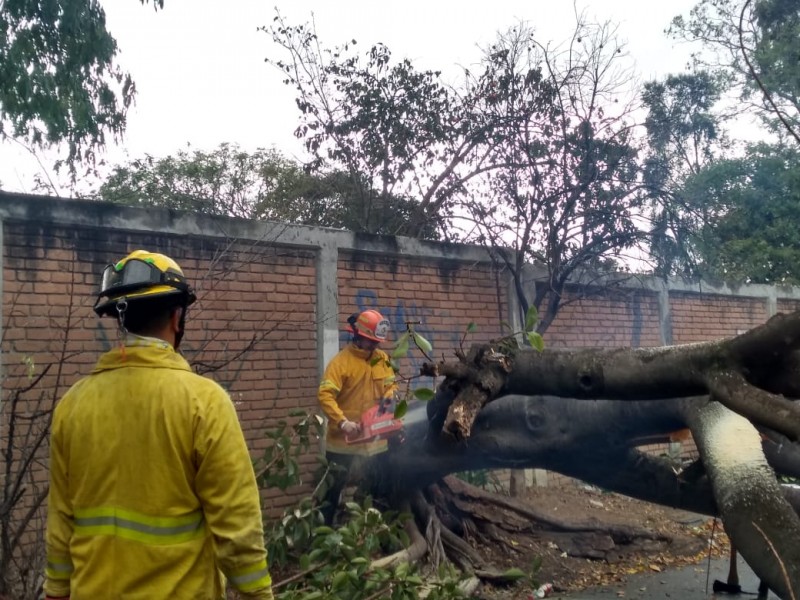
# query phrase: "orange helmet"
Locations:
[[370, 324]]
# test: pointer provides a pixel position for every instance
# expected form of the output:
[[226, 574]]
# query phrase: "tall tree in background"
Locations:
[[753, 235], [755, 45], [59, 82], [775, 66], [747, 204], [684, 135], [397, 131], [535, 150], [565, 188], [226, 181]]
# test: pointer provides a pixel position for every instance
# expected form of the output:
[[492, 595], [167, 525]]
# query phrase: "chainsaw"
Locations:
[[377, 423]]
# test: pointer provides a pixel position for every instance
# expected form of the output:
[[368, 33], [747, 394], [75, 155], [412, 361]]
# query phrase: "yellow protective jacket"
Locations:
[[152, 492], [354, 381]]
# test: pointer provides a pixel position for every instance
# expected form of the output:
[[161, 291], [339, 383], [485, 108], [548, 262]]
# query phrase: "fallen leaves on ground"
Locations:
[[692, 542]]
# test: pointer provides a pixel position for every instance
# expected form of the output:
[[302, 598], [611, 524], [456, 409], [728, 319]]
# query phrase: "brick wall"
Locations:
[[440, 298], [787, 306], [699, 318], [258, 326], [606, 318], [252, 329]]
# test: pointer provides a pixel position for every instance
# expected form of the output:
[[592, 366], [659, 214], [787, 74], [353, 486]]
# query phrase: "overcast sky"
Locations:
[[202, 80]]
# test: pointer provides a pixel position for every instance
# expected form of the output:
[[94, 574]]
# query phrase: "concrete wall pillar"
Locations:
[[664, 312], [327, 261]]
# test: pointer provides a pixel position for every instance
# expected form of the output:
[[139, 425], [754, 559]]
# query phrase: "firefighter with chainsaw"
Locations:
[[152, 490], [355, 380]]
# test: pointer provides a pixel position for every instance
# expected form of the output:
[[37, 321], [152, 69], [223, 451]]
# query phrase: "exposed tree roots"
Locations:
[[452, 517]]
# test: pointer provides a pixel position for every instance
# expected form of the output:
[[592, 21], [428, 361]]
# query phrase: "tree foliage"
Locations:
[[735, 214], [59, 80], [753, 202], [565, 184], [754, 44], [681, 125], [262, 184], [684, 135], [395, 130], [534, 152]]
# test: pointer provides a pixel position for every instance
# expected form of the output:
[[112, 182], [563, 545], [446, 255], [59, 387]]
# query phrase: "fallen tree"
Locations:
[[582, 413]]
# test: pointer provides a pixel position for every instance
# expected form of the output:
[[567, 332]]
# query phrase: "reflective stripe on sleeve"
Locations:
[[252, 578], [58, 569], [138, 527], [329, 385]]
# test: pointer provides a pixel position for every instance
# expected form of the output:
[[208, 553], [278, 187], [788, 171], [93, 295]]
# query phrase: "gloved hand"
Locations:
[[349, 427]]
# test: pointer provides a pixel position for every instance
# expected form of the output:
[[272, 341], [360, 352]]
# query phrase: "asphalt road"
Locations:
[[686, 583]]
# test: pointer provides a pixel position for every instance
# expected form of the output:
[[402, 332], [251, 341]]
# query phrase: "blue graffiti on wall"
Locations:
[[399, 315]]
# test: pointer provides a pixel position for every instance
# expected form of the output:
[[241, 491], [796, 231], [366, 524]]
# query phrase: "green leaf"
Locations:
[[472, 328], [536, 340], [424, 394], [401, 349], [401, 572], [316, 554], [513, 574], [339, 580], [531, 318], [401, 409], [422, 343], [323, 530]]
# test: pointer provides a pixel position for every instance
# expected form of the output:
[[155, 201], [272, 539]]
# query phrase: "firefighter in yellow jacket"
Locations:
[[152, 491], [356, 379]]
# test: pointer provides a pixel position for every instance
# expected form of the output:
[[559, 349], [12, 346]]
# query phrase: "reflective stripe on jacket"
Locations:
[[152, 493], [353, 382]]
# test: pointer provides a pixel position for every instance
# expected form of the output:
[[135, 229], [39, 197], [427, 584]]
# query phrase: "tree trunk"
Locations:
[[599, 404], [760, 522]]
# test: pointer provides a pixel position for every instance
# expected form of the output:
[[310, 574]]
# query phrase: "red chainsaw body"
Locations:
[[376, 424]]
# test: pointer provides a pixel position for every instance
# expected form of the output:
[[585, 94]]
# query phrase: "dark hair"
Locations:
[[147, 316]]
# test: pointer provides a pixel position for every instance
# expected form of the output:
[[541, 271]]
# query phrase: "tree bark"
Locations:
[[748, 373], [761, 524], [721, 390]]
